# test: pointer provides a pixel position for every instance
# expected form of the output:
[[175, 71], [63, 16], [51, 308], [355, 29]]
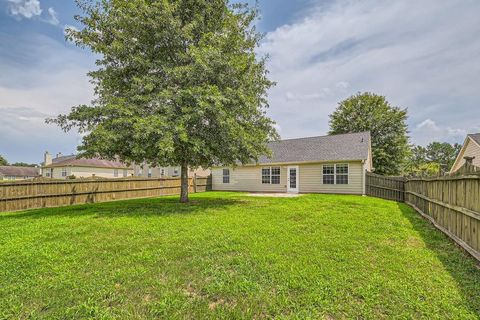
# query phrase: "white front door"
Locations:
[[292, 179]]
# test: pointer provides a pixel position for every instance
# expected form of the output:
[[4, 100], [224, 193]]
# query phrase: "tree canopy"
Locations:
[[434, 159], [3, 161], [178, 83], [386, 123]]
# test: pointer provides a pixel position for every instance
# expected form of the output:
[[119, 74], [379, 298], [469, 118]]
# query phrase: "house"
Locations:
[[470, 151], [166, 172], [18, 173], [62, 167], [325, 164]]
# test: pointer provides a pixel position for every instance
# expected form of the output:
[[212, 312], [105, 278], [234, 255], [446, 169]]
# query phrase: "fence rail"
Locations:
[[39, 194], [452, 203]]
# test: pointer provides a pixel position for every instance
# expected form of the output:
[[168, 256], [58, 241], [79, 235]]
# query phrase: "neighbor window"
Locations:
[[149, 172], [115, 173], [125, 173], [271, 175], [162, 172], [335, 173], [64, 172], [226, 175], [341, 171], [175, 172]]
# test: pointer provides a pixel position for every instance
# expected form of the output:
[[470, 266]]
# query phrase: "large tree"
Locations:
[[386, 123], [178, 83]]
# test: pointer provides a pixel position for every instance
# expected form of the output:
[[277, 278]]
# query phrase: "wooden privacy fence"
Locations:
[[39, 194], [452, 203], [390, 188]]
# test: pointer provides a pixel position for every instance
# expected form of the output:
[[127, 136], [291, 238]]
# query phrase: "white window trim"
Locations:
[[335, 174], [64, 172], [270, 175], [115, 173], [225, 175]]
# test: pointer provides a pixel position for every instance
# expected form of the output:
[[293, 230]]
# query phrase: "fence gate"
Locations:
[[389, 188]]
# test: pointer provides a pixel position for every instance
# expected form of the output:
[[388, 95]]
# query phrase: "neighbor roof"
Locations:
[[475, 137], [350, 146], [19, 171], [84, 162]]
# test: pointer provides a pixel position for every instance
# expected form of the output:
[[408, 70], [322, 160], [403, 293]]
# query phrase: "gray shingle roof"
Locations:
[[15, 171], [475, 137], [350, 146], [93, 162]]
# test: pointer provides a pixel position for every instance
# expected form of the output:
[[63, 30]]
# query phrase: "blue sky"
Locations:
[[422, 55]]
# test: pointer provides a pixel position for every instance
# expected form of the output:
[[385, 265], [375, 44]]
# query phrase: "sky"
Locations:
[[422, 55]]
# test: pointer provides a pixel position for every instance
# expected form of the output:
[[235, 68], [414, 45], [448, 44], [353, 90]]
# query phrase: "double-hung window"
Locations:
[[226, 175], [271, 175], [149, 172], [64, 172], [115, 173], [125, 173], [335, 173]]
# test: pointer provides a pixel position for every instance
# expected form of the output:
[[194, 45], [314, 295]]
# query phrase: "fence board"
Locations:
[[390, 188], [39, 194]]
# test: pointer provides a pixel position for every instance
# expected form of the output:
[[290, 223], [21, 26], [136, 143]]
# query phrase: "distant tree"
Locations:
[[443, 153], [179, 83], [3, 161], [23, 164], [386, 123]]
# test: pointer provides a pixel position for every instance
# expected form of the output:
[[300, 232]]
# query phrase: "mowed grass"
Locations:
[[228, 255]]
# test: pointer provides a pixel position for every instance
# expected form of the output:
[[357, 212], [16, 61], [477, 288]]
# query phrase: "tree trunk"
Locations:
[[184, 182]]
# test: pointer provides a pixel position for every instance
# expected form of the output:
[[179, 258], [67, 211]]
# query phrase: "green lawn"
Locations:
[[227, 255]]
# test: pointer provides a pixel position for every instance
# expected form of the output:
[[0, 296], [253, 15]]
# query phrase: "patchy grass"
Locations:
[[227, 255]]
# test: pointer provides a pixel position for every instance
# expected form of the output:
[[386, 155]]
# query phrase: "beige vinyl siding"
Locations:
[[249, 178], [311, 179], [470, 149]]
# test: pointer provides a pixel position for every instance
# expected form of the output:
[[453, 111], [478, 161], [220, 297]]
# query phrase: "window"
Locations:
[[271, 175], [149, 172], [175, 172], [162, 172], [328, 174], [226, 175], [47, 173], [335, 173], [265, 175], [125, 173], [115, 173], [64, 172], [341, 171]]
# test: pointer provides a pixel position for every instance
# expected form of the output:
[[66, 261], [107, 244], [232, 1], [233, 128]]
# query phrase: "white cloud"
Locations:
[[428, 130], [53, 17], [24, 8], [420, 55], [45, 78]]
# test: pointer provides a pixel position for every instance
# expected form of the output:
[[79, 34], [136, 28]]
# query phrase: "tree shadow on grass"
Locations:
[[463, 268], [162, 206]]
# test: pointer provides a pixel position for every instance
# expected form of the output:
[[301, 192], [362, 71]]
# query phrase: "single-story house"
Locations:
[[166, 172], [470, 150], [325, 164], [18, 173], [62, 167]]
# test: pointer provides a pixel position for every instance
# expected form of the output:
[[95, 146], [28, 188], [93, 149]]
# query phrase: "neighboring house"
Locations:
[[326, 164], [62, 167], [166, 172], [18, 173], [470, 149]]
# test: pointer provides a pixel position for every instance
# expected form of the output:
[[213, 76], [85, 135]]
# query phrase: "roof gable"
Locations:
[[341, 147]]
